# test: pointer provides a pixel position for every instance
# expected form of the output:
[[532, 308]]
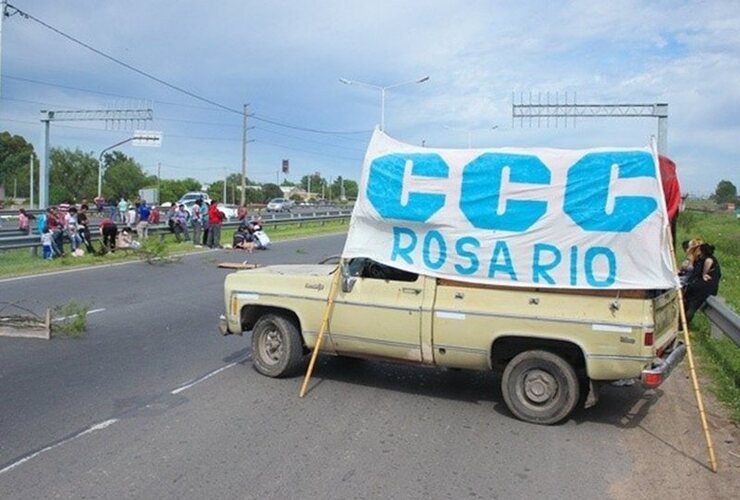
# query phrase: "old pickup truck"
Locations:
[[553, 347]]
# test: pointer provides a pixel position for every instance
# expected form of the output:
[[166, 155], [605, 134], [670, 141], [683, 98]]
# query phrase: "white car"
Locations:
[[189, 198], [279, 205]]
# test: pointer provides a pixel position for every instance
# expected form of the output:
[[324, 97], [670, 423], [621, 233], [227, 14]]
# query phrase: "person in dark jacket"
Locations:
[[703, 281]]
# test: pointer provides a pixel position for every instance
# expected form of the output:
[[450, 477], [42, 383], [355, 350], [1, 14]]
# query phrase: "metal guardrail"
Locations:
[[723, 319], [33, 241]]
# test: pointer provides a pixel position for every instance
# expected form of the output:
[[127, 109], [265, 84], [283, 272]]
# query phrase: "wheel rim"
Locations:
[[271, 345], [537, 389]]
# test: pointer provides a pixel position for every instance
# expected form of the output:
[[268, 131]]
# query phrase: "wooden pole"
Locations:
[[692, 367], [333, 290]]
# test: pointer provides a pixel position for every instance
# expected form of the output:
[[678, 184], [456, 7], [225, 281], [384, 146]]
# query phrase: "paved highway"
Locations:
[[152, 403]]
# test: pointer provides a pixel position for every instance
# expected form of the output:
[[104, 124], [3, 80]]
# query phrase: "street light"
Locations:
[[100, 158], [382, 92], [469, 131]]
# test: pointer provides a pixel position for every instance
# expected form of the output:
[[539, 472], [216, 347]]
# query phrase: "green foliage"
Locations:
[[270, 191], [72, 176], [350, 189], [74, 319], [14, 154], [726, 192], [172, 189], [720, 357], [123, 177], [233, 189], [316, 182]]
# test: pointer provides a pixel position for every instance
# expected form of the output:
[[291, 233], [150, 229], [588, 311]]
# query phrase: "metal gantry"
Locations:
[[535, 111], [114, 118]]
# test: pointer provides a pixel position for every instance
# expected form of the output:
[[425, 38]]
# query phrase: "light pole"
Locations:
[[469, 132], [382, 92], [100, 158]]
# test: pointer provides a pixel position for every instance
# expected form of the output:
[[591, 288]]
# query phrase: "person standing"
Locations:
[[215, 217], [122, 210], [23, 220], [142, 228], [47, 244], [195, 213]]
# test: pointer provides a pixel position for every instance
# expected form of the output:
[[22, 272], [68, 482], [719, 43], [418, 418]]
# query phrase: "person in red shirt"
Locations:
[[109, 232], [215, 217]]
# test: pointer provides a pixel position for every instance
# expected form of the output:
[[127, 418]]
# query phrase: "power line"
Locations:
[[177, 88]]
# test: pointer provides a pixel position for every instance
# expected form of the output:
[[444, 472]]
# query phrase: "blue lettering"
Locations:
[[481, 190], [385, 186], [591, 255], [540, 270], [573, 265], [404, 252], [501, 248], [434, 236], [466, 254], [587, 191]]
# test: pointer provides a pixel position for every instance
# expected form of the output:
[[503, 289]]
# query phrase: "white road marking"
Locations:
[[204, 377], [93, 311], [96, 427]]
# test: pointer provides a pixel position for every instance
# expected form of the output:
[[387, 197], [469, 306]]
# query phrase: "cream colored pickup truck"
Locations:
[[553, 347]]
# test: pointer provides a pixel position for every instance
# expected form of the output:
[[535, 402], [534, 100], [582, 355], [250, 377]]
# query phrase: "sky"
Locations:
[[285, 59]]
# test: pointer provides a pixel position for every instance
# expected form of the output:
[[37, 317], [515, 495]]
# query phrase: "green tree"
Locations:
[[316, 182], [233, 188], [14, 154], [172, 189], [72, 175], [270, 191], [123, 176], [350, 189], [726, 192]]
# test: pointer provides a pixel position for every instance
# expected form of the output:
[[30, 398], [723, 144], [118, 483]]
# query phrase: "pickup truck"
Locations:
[[552, 347]]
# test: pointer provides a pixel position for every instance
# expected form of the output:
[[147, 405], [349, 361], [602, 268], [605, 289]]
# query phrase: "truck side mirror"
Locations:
[[348, 282]]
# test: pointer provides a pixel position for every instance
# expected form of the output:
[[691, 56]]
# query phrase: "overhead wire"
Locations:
[[172, 86]]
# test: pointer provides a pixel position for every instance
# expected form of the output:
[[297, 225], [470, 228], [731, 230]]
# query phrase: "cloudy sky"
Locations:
[[285, 59]]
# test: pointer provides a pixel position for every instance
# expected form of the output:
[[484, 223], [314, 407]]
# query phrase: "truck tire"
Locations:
[[540, 387], [277, 350]]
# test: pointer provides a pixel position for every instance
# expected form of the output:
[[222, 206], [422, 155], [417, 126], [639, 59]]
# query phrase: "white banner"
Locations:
[[593, 218]]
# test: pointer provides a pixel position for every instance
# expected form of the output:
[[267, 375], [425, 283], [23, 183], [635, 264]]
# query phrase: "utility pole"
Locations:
[[225, 175], [244, 159], [3, 4], [159, 181], [30, 184]]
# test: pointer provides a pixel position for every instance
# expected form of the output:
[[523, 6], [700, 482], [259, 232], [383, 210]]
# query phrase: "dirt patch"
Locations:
[[667, 445]]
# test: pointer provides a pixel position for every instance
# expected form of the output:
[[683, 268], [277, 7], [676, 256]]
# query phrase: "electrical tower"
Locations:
[[114, 118], [536, 111]]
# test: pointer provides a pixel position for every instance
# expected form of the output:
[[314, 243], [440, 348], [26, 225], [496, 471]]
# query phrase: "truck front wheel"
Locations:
[[540, 387], [277, 350]]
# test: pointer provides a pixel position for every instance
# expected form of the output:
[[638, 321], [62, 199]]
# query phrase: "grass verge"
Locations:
[[21, 262], [74, 320], [718, 358]]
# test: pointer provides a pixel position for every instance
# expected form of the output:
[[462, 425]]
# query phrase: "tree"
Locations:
[[270, 191], [15, 152], [72, 176], [316, 182], [726, 192], [123, 176], [172, 190], [233, 187], [350, 189]]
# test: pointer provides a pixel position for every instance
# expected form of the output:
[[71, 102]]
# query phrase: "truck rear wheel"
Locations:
[[540, 387], [277, 350]]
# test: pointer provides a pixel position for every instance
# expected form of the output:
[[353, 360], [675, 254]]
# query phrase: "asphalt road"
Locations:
[[114, 414]]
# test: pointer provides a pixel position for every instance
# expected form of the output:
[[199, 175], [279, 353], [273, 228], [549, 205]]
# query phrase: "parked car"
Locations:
[[189, 198], [279, 205]]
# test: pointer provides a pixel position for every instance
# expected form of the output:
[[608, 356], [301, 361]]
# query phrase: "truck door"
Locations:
[[381, 314]]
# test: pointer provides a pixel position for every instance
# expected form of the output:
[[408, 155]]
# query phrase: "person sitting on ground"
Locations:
[[243, 237], [703, 281]]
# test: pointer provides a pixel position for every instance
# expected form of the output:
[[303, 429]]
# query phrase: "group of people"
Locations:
[[59, 224], [204, 218], [699, 274]]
